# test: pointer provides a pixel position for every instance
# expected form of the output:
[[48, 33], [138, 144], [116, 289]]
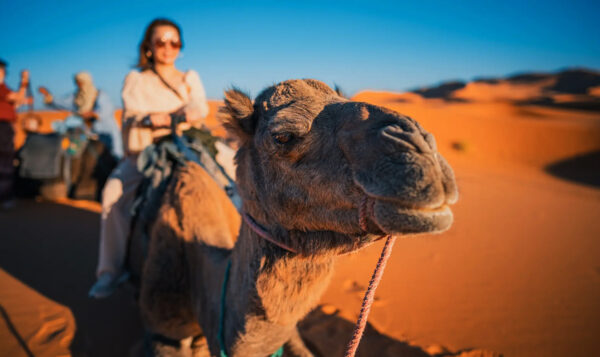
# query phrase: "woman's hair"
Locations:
[[145, 61]]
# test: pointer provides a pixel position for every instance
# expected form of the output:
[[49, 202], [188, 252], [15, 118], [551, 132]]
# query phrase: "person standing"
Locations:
[[9, 101], [94, 107], [150, 94]]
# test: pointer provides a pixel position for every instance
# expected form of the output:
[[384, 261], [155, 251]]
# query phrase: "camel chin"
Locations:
[[398, 220]]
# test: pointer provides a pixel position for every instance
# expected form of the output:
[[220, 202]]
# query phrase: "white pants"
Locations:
[[117, 198]]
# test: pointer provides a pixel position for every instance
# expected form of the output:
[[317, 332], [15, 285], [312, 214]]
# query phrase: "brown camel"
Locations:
[[308, 161]]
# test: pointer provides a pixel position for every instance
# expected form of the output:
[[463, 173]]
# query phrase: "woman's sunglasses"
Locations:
[[161, 43]]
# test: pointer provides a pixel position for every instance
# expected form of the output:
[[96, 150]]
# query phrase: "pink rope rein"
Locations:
[[265, 235], [359, 329]]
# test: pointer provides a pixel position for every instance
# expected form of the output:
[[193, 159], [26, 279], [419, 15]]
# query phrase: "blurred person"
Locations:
[[9, 101], [94, 107], [150, 94]]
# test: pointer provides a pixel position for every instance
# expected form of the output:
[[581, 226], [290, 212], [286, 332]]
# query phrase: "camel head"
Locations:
[[310, 160]]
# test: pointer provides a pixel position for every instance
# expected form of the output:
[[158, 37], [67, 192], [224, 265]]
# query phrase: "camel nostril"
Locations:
[[405, 140]]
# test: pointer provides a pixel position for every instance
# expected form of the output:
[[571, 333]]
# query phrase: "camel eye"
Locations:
[[283, 138]]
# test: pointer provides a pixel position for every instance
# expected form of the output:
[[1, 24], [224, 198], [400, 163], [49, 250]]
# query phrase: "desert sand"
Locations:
[[518, 274]]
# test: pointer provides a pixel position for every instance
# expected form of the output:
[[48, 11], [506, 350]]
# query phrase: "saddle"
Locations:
[[158, 162], [41, 156], [58, 165]]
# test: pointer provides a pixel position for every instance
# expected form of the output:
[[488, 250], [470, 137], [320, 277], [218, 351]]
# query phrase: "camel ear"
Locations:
[[237, 115]]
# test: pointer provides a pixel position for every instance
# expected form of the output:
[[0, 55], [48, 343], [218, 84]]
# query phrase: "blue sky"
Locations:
[[357, 44]]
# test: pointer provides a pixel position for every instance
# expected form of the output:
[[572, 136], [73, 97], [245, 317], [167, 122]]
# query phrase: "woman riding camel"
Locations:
[[149, 95], [95, 107]]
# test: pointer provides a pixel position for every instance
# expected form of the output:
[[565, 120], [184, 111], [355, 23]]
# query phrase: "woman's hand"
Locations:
[[19, 97], [46, 93], [24, 78], [160, 120], [89, 116]]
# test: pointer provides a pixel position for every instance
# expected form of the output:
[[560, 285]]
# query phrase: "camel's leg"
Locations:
[[297, 346], [160, 346]]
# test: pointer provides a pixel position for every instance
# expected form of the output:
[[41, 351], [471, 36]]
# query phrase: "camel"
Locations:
[[318, 173]]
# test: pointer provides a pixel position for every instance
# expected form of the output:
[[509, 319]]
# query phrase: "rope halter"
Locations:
[[365, 211]]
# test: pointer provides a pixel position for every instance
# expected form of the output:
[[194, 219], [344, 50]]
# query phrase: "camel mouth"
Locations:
[[393, 218]]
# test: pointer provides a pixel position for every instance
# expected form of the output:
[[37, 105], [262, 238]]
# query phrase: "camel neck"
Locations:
[[268, 292]]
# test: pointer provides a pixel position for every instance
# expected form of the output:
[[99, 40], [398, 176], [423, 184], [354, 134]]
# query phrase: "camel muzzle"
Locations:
[[395, 162]]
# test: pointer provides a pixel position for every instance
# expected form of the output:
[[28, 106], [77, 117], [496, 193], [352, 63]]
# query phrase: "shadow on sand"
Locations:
[[327, 335], [583, 169], [53, 249]]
